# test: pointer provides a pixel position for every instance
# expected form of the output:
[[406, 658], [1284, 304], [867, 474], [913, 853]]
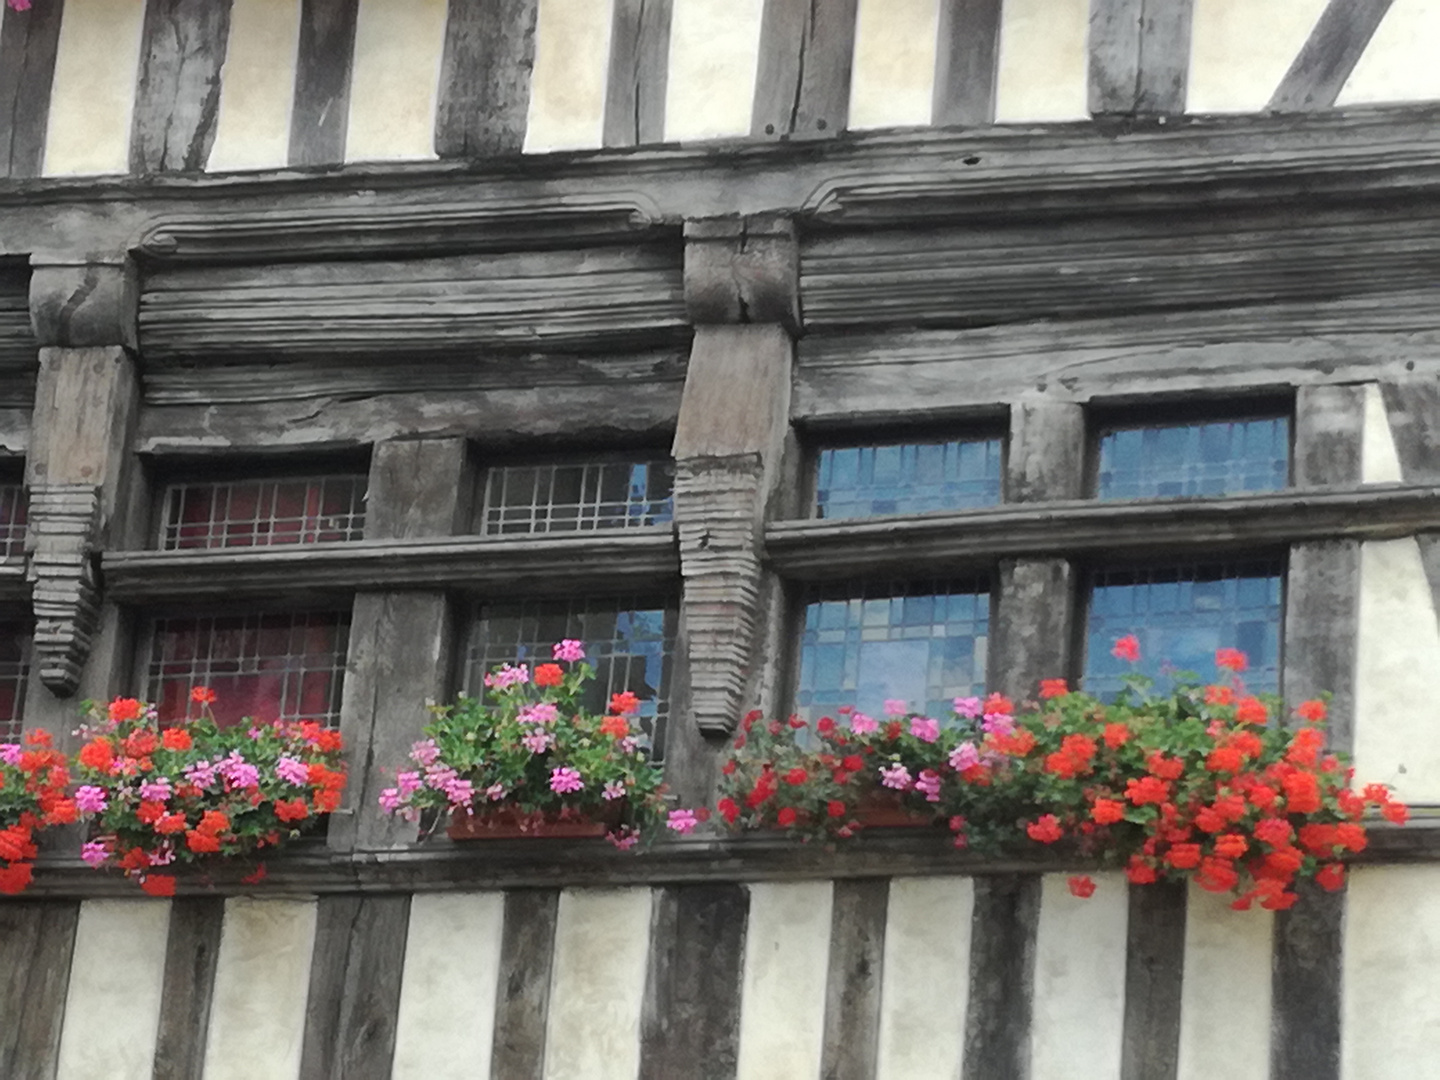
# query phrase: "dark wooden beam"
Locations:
[[852, 988], [639, 70], [552, 564], [485, 78], [177, 99], [527, 952], [802, 89], [691, 1016], [28, 43], [1306, 987], [1164, 57], [1154, 969], [37, 940], [816, 550], [1412, 407], [1139, 56], [354, 998], [1329, 55], [1002, 976], [321, 111], [966, 63], [191, 953]]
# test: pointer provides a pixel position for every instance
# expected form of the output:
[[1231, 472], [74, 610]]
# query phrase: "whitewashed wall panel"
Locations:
[[1241, 49], [1402, 62], [892, 80], [446, 1021], [1043, 61], [93, 94], [117, 976], [1225, 997], [395, 80], [714, 59], [572, 63], [257, 86]]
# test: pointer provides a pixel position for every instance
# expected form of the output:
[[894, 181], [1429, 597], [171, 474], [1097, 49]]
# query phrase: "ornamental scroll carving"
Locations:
[[61, 545]]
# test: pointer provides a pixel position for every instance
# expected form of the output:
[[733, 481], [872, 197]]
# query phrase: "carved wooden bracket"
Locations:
[[743, 270], [82, 304], [719, 504], [61, 544]]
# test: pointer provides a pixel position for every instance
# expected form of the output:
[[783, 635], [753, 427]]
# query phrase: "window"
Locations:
[[15, 639], [865, 643], [907, 478], [14, 518], [630, 642], [577, 496], [1218, 457], [262, 513], [285, 665], [1182, 614]]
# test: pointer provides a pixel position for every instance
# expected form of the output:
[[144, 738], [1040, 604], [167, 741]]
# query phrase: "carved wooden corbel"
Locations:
[[742, 270], [61, 545]]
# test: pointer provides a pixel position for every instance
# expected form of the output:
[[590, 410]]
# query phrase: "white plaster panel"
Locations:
[[257, 86], [1402, 61], [445, 1027], [597, 984], [787, 958], [1397, 731], [1379, 460], [92, 98], [1044, 60], [262, 982], [892, 80], [117, 977], [1241, 49], [1225, 996], [395, 82], [1079, 1001], [1390, 1009], [925, 981], [567, 86], [714, 58]]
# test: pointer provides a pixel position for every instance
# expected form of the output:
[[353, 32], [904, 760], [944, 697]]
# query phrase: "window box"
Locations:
[[510, 823]]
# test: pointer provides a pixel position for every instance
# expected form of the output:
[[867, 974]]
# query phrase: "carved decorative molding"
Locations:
[[719, 503], [65, 591], [742, 270], [83, 303], [350, 231]]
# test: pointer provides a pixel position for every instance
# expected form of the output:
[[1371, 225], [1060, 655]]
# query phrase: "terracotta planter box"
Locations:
[[884, 811], [510, 824]]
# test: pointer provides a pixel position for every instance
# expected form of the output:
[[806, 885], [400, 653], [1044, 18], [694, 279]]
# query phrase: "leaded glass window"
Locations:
[[14, 519], [907, 478], [868, 642], [15, 639], [280, 666], [630, 642], [262, 513], [1182, 613], [1221, 457], [577, 496]]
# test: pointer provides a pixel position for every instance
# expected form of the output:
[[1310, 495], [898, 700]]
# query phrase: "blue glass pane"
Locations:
[[629, 642], [907, 478], [1182, 614], [1195, 459], [867, 643]]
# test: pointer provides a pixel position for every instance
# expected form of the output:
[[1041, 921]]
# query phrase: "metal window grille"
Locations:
[[577, 497], [15, 641], [864, 643], [1218, 458], [907, 478], [285, 665], [629, 640], [1181, 614], [14, 518], [262, 513]]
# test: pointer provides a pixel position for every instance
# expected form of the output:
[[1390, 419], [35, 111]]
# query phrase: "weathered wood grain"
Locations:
[[966, 63], [354, 998], [419, 488], [802, 89], [177, 98], [37, 939], [1164, 57], [639, 70], [1329, 55], [1002, 976], [1328, 429], [1139, 56], [1305, 991], [28, 43], [1154, 969], [691, 1020], [527, 953], [485, 77], [1031, 625], [852, 989], [1045, 456], [190, 957], [1322, 611], [1412, 406], [321, 110]]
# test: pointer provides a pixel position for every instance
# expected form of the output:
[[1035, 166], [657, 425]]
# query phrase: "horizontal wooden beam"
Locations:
[[622, 560], [928, 543], [442, 865]]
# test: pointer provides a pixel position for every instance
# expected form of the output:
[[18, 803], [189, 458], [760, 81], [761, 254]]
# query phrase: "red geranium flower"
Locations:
[[1052, 688], [1231, 659], [158, 884], [202, 695], [549, 675], [1045, 830], [1082, 886], [1127, 648]]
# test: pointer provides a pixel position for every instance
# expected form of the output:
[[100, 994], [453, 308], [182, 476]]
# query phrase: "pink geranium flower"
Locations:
[[895, 776], [861, 724], [564, 780], [568, 650]]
